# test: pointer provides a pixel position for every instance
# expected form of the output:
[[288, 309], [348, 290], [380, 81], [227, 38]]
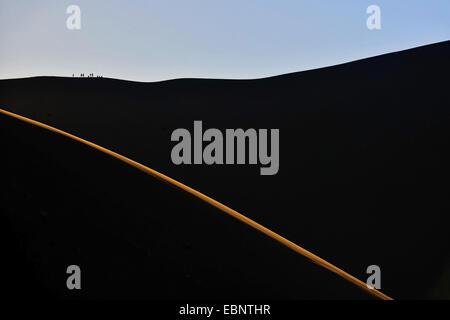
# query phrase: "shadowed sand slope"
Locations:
[[132, 235], [363, 180]]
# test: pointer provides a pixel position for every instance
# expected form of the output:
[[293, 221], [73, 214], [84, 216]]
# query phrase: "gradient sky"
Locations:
[[157, 40]]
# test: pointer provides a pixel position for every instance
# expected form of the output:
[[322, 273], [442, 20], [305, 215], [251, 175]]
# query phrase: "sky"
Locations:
[[145, 40]]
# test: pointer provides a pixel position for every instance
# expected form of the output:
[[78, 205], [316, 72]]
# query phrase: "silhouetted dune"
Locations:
[[363, 180], [134, 236]]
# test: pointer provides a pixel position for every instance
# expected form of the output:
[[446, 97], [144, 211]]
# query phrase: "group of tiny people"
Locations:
[[91, 75]]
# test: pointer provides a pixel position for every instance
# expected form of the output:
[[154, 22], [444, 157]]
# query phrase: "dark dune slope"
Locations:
[[132, 235], [363, 158]]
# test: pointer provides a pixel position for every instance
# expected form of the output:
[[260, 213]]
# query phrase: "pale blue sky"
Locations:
[[157, 40]]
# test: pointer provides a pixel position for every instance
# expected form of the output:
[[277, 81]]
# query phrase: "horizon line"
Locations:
[[236, 79]]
